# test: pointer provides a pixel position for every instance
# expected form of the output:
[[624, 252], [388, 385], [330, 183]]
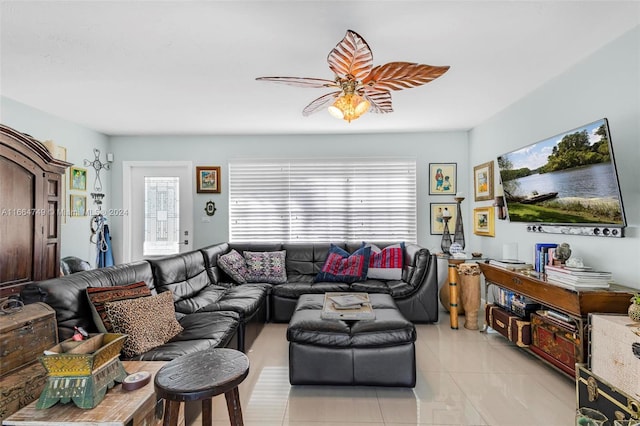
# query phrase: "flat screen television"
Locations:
[[568, 179]]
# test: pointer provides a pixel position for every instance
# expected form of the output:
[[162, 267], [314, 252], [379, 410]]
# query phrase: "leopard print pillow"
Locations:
[[149, 322]]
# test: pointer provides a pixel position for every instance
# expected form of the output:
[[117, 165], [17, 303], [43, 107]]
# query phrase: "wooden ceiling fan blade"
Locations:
[[351, 57], [402, 75], [300, 81], [320, 102], [380, 100]]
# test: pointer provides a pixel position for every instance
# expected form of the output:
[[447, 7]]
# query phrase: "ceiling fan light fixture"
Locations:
[[349, 107]]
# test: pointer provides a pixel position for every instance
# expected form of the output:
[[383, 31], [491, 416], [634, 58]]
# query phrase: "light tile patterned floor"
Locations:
[[464, 378]]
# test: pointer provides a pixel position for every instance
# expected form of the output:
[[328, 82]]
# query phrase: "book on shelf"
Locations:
[[541, 255]]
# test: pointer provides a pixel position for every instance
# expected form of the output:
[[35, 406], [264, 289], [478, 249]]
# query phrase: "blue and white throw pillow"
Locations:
[[342, 266]]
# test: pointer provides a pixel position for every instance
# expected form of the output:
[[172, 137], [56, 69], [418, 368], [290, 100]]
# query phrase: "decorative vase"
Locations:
[[634, 312], [446, 236], [469, 274], [458, 236]]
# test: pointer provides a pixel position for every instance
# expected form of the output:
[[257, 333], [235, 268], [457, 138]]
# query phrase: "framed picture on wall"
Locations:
[[78, 179], [77, 205], [483, 181], [483, 221], [208, 179], [443, 178], [438, 211]]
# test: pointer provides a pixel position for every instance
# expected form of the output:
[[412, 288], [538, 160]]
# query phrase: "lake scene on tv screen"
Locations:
[[567, 179]]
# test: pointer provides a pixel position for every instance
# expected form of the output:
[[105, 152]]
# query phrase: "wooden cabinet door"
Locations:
[[30, 194], [17, 227]]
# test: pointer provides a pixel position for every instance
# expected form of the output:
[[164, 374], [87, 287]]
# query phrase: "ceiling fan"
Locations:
[[361, 86]]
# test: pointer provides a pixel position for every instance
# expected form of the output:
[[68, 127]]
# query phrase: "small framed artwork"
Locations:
[[208, 179], [78, 179], [438, 211], [77, 205], [483, 221], [443, 178], [483, 181]]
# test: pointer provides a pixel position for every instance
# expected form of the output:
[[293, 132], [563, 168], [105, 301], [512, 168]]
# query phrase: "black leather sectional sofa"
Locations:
[[216, 312]]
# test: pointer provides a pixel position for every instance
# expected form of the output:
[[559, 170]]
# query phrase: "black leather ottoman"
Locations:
[[378, 352]]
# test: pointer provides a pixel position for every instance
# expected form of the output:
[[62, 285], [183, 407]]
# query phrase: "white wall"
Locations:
[[79, 142], [220, 150], [606, 84]]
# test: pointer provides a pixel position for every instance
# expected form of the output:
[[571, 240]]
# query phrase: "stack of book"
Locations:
[[577, 278], [510, 264]]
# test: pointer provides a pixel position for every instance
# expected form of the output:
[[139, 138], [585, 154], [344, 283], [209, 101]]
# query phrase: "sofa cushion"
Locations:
[[201, 331], [386, 263], [211, 254], [341, 266], [266, 266], [183, 274], [208, 295], [98, 296], [245, 299], [235, 266], [149, 322], [67, 295]]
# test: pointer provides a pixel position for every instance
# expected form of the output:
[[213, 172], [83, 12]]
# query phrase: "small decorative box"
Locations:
[[82, 371]]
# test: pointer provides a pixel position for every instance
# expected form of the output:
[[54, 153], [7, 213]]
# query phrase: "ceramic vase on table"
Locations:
[[469, 274]]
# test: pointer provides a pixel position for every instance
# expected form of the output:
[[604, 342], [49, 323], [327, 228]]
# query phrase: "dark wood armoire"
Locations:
[[31, 210]]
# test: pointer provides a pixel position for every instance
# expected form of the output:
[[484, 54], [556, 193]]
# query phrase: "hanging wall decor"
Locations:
[[208, 179], [483, 221], [438, 211], [483, 181], [78, 180], [443, 178], [98, 165]]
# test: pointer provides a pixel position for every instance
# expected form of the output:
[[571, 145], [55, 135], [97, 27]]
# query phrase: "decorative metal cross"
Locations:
[[98, 165]]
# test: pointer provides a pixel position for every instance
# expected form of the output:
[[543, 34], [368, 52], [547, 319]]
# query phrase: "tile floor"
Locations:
[[464, 377]]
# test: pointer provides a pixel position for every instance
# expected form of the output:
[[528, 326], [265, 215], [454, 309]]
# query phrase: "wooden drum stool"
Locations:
[[469, 274], [199, 377]]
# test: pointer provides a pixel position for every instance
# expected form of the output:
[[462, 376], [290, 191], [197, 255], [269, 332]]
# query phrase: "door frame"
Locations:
[[127, 201]]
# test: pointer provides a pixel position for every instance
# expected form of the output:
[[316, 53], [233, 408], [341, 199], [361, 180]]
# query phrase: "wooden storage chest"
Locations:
[[611, 355], [558, 345], [514, 328], [21, 387], [598, 394], [25, 335]]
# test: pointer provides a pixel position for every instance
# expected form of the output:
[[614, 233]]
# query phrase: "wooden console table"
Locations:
[[576, 304]]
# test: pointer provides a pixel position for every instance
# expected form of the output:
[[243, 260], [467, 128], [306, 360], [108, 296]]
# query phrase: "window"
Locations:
[[161, 215], [316, 201]]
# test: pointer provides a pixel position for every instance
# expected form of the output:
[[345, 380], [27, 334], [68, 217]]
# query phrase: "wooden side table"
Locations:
[[118, 408], [199, 377]]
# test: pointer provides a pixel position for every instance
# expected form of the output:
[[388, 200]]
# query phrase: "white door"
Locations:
[[159, 199]]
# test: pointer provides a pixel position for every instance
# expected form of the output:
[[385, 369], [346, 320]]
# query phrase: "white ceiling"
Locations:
[[189, 67]]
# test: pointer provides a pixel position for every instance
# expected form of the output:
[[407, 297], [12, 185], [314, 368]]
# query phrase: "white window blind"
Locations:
[[322, 201]]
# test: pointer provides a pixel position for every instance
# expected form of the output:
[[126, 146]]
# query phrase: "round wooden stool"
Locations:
[[199, 377]]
